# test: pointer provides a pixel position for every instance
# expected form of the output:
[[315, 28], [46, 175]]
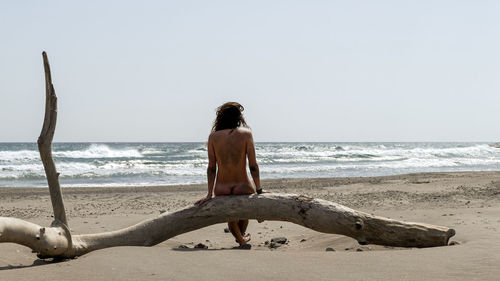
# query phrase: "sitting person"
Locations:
[[229, 146]]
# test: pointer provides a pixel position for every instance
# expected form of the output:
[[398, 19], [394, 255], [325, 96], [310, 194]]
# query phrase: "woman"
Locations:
[[229, 145]]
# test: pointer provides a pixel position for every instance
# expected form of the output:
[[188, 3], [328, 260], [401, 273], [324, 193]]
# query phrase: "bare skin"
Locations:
[[228, 151]]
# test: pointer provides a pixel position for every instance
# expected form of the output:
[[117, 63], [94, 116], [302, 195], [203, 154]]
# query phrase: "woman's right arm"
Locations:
[[212, 167], [211, 171]]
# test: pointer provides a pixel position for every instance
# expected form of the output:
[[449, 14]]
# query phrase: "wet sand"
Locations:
[[469, 202]]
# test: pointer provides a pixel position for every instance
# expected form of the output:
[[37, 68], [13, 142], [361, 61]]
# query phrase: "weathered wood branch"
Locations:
[[316, 214], [45, 145], [46, 241]]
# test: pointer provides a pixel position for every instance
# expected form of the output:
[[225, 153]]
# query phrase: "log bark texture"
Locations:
[[316, 214]]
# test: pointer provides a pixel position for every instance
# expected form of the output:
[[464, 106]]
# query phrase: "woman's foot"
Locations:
[[246, 238]]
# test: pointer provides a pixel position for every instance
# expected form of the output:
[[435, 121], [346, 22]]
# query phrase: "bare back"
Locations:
[[228, 149]]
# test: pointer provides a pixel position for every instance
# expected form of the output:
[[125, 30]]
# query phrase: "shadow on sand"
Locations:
[[37, 262]]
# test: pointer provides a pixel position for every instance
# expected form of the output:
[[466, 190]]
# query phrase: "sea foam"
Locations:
[[114, 164]]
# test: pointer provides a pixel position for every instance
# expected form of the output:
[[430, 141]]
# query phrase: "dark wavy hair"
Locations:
[[229, 116]]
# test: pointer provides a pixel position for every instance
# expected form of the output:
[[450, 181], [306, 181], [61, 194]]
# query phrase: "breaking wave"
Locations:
[[97, 164]]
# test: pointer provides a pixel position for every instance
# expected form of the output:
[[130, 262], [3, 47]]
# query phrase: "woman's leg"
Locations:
[[236, 232], [241, 224], [233, 226]]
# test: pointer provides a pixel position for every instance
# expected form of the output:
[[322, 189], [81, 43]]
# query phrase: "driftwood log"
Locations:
[[56, 241], [316, 214]]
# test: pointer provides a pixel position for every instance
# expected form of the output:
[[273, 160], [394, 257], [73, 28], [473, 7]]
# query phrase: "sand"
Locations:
[[469, 202]]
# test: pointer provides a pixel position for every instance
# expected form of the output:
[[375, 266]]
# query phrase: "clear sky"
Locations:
[[304, 70]]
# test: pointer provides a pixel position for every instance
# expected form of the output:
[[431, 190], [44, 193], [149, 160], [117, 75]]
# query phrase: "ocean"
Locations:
[[137, 164]]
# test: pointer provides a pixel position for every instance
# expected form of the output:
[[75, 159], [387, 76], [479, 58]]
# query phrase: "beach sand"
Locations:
[[469, 202]]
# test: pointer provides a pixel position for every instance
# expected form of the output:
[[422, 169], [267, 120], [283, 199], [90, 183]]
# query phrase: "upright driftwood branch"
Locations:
[[316, 214], [45, 145]]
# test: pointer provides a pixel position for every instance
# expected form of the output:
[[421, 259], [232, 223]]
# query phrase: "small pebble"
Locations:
[[183, 247], [200, 246], [280, 240], [226, 230], [274, 245], [303, 240], [329, 249]]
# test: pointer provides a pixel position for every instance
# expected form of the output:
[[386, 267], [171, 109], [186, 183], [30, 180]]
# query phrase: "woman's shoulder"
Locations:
[[239, 133], [245, 131], [239, 130]]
